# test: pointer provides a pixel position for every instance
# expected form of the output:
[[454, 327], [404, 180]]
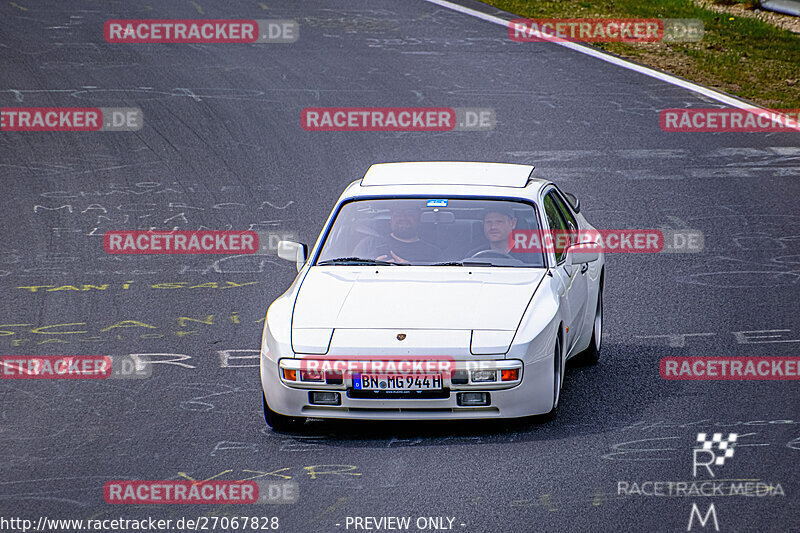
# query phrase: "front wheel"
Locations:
[[558, 375], [279, 422]]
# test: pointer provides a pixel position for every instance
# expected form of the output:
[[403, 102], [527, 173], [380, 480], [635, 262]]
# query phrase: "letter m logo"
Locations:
[[711, 512]]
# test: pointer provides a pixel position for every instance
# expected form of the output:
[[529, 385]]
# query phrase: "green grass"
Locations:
[[742, 56]]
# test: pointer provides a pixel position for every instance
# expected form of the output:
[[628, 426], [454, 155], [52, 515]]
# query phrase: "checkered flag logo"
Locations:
[[723, 445]]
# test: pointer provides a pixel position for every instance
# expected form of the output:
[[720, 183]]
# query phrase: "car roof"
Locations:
[[448, 173]]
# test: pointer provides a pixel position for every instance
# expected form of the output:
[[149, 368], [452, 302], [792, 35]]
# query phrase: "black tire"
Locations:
[[558, 378], [280, 422], [591, 355]]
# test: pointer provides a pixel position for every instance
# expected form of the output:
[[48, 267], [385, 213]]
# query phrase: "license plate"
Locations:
[[379, 382]]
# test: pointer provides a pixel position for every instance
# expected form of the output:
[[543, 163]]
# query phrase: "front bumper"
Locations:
[[531, 394]]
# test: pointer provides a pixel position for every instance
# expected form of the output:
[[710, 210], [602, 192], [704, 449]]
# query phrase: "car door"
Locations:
[[573, 278], [581, 285]]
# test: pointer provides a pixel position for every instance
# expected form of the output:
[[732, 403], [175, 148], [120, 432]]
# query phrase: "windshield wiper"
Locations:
[[465, 263], [355, 261]]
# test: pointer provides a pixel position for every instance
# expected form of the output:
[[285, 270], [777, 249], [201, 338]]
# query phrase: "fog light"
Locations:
[[509, 375], [482, 376], [311, 375], [324, 398], [289, 374], [473, 398]]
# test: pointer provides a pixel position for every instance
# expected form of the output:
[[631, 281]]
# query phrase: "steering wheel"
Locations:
[[492, 254]]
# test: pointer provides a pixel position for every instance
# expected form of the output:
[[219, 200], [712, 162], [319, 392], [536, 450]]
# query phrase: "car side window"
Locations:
[[572, 224], [556, 222], [566, 212]]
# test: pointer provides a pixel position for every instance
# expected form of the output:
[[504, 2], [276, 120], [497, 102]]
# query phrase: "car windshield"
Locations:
[[431, 231]]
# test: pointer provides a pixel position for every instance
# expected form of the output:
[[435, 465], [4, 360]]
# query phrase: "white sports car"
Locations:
[[417, 303]]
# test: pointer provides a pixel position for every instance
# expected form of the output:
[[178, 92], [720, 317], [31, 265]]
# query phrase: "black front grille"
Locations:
[[333, 378], [460, 377]]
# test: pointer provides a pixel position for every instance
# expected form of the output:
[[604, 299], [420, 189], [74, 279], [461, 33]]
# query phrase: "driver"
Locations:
[[403, 244], [498, 223]]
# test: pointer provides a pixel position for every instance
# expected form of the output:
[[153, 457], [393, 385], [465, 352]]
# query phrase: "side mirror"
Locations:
[[573, 201], [294, 252], [581, 253]]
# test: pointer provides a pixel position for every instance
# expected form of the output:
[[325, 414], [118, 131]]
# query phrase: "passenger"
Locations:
[[403, 244]]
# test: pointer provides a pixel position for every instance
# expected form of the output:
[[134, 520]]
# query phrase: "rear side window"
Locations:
[[572, 224], [565, 211], [555, 220]]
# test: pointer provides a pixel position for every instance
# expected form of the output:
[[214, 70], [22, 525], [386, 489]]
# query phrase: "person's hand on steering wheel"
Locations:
[[394, 258], [489, 254]]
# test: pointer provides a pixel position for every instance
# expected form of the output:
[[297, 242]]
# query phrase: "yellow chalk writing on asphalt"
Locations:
[[18, 333], [83, 287]]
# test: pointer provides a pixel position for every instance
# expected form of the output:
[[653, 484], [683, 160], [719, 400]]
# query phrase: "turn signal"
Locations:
[[509, 375]]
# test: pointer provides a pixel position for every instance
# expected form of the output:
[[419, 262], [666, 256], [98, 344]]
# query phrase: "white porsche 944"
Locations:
[[435, 291]]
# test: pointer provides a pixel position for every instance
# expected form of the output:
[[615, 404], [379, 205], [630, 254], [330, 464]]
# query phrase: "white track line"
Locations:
[[662, 76]]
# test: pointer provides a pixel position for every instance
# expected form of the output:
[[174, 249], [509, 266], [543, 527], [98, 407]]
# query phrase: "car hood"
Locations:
[[411, 297]]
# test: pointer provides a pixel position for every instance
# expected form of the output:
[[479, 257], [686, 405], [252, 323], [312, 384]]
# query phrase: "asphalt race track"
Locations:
[[222, 147]]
